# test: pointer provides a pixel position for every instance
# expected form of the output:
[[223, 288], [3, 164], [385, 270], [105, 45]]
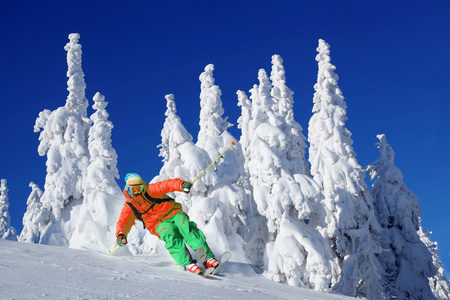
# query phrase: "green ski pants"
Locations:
[[178, 230]]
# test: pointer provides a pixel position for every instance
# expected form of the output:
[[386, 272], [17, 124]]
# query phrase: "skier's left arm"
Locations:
[[159, 189]]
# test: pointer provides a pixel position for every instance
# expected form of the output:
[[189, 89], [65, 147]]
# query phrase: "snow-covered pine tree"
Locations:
[[265, 157], [213, 136], [407, 261], [211, 112], [284, 103], [439, 283], [103, 198], [64, 139], [257, 237], [225, 206], [181, 157], [244, 119], [7, 232], [352, 229], [296, 253], [35, 218]]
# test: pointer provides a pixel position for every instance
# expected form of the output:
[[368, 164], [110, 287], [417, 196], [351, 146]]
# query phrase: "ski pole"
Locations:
[[111, 251], [232, 144]]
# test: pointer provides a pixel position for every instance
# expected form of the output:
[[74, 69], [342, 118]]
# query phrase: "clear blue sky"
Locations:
[[393, 59]]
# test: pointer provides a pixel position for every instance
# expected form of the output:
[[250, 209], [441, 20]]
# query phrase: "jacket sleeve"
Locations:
[[126, 220], [159, 189]]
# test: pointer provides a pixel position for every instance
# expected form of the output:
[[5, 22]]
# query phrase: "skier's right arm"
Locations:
[[126, 221]]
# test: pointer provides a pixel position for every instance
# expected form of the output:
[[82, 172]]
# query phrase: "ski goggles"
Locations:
[[135, 189]]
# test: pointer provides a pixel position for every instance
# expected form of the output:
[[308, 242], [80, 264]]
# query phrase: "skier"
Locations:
[[164, 217]]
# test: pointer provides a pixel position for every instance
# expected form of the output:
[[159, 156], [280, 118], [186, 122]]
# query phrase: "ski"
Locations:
[[214, 271]]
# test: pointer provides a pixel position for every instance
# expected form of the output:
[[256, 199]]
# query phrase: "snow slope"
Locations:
[[32, 271]]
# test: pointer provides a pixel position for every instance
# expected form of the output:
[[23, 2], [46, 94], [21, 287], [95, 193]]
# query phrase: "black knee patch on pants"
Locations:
[[202, 256]]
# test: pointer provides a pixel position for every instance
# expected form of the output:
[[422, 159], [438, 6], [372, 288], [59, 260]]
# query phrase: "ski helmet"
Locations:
[[133, 179]]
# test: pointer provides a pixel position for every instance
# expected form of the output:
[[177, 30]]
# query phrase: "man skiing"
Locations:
[[164, 217]]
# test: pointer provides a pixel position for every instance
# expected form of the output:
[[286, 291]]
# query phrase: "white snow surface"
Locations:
[[33, 271]]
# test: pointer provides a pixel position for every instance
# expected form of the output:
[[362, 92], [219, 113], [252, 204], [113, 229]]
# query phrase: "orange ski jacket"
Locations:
[[153, 212]]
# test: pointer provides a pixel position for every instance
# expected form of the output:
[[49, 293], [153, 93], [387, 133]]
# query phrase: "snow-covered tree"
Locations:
[[213, 136], [63, 138], [181, 157], [211, 122], [263, 155], [229, 208], [103, 198], [35, 217], [267, 164], [256, 242], [6, 230], [296, 253], [407, 261], [283, 108], [244, 119], [262, 104], [439, 283], [352, 229]]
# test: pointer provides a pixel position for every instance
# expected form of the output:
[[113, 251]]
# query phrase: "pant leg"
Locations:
[[169, 233], [193, 236]]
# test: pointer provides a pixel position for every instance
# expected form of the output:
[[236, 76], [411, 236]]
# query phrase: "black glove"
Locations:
[[186, 187], [121, 239]]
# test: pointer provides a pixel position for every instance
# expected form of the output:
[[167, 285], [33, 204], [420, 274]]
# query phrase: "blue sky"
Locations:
[[392, 58]]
